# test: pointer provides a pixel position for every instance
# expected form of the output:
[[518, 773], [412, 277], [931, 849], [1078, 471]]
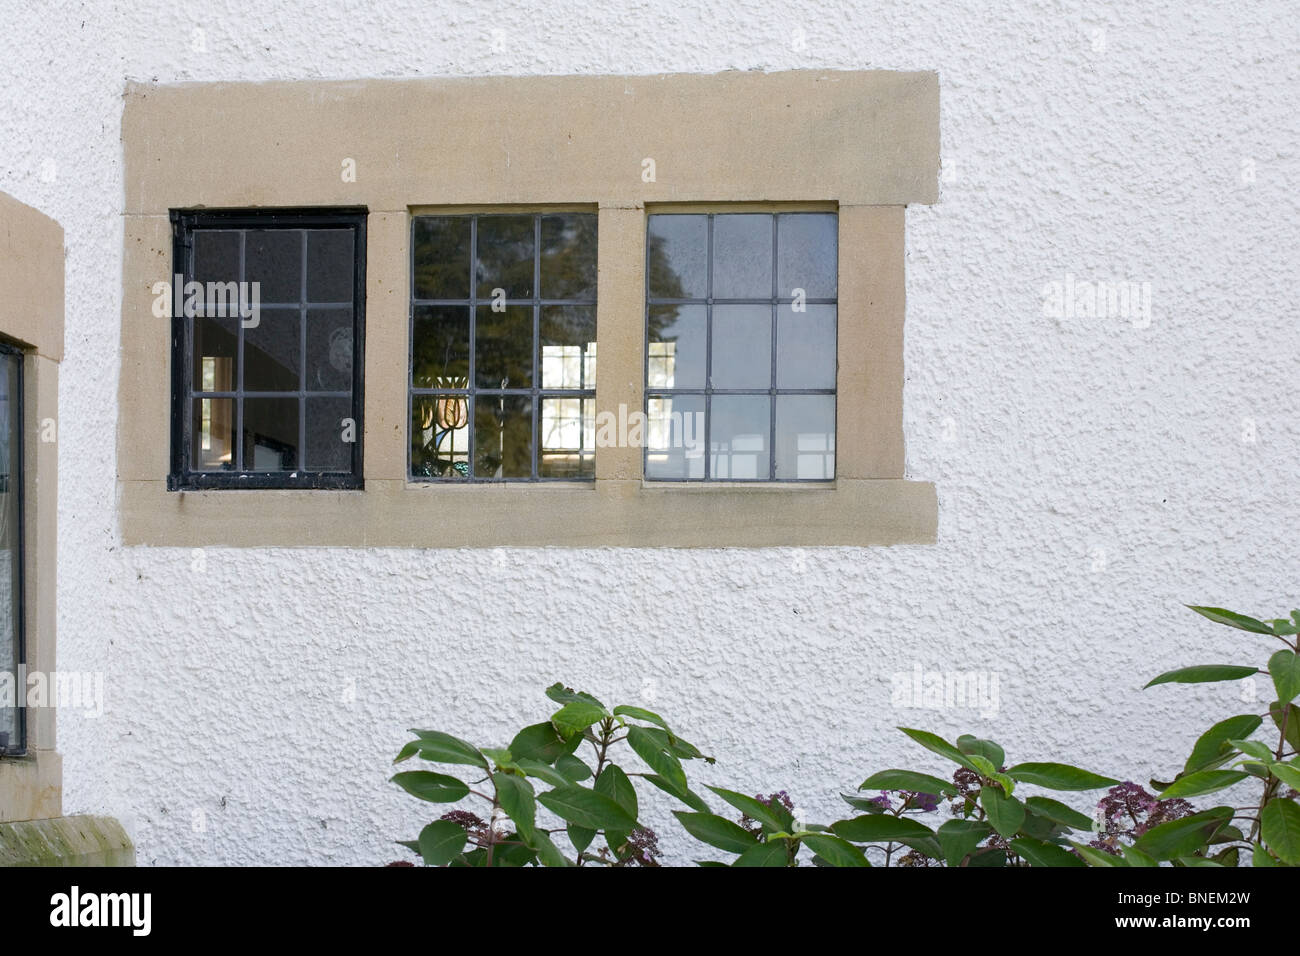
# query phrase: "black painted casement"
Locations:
[[271, 400]]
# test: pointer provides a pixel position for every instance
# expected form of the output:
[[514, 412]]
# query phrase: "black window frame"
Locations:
[[708, 392], [184, 223], [19, 748], [535, 393]]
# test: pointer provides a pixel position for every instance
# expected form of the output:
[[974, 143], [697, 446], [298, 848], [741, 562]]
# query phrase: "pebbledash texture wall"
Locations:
[[1093, 472]]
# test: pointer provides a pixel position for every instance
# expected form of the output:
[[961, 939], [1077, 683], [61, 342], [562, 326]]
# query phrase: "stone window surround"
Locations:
[[726, 142], [31, 317]]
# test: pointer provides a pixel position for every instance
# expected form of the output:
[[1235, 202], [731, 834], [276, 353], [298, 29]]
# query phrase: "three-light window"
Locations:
[[740, 347]]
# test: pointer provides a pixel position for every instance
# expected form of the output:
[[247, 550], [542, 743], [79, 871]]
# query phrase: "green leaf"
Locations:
[[985, 768], [756, 810], [1203, 674], [1288, 773], [1252, 748], [474, 858], [1007, 814], [988, 857], [1279, 825], [444, 748], [580, 837], [716, 831], [638, 713], [969, 744], [616, 840], [1137, 858], [1232, 619], [1203, 781], [1261, 857], [434, 787], [1059, 776], [1229, 857], [1284, 667], [960, 837], [684, 751], [1041, 853], [542, 771], [908, 780], [1282, 627], [576, 716], [686, 796], [502, 758], [1168, 841], [515, 794], [613, 783], [1058, 812], [540, 742], [441, 842], [586, 808], [1213, 744], [513, 855], [864, 804], [1197, 861], [1094, 857], [936, 744], [1287, 716], [573, 768], [652, 747], [880, 828], [1228, 834], [407, 752], [567, 695], [1039, 827], [835, 851], [765, 854], [550, 855]]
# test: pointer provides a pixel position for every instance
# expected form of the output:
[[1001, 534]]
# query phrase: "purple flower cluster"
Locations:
[[912, 800], [925, 802], [642, 848], [1128, 811], [474, 826], [781, 797], [916, 858]]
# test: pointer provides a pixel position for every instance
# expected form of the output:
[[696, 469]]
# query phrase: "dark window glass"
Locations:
[[503, 362], [12, 724], [441, 250], [740, 346], [440, 346], [503, 347], [267, 368]]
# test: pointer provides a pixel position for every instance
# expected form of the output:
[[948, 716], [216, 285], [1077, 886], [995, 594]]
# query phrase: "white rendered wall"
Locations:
[[1093, 473]]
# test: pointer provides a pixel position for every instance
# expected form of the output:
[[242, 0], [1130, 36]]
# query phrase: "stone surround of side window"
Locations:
[[33, 830]]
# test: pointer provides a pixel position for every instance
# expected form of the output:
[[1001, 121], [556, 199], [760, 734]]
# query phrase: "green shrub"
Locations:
[[597, 802]]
